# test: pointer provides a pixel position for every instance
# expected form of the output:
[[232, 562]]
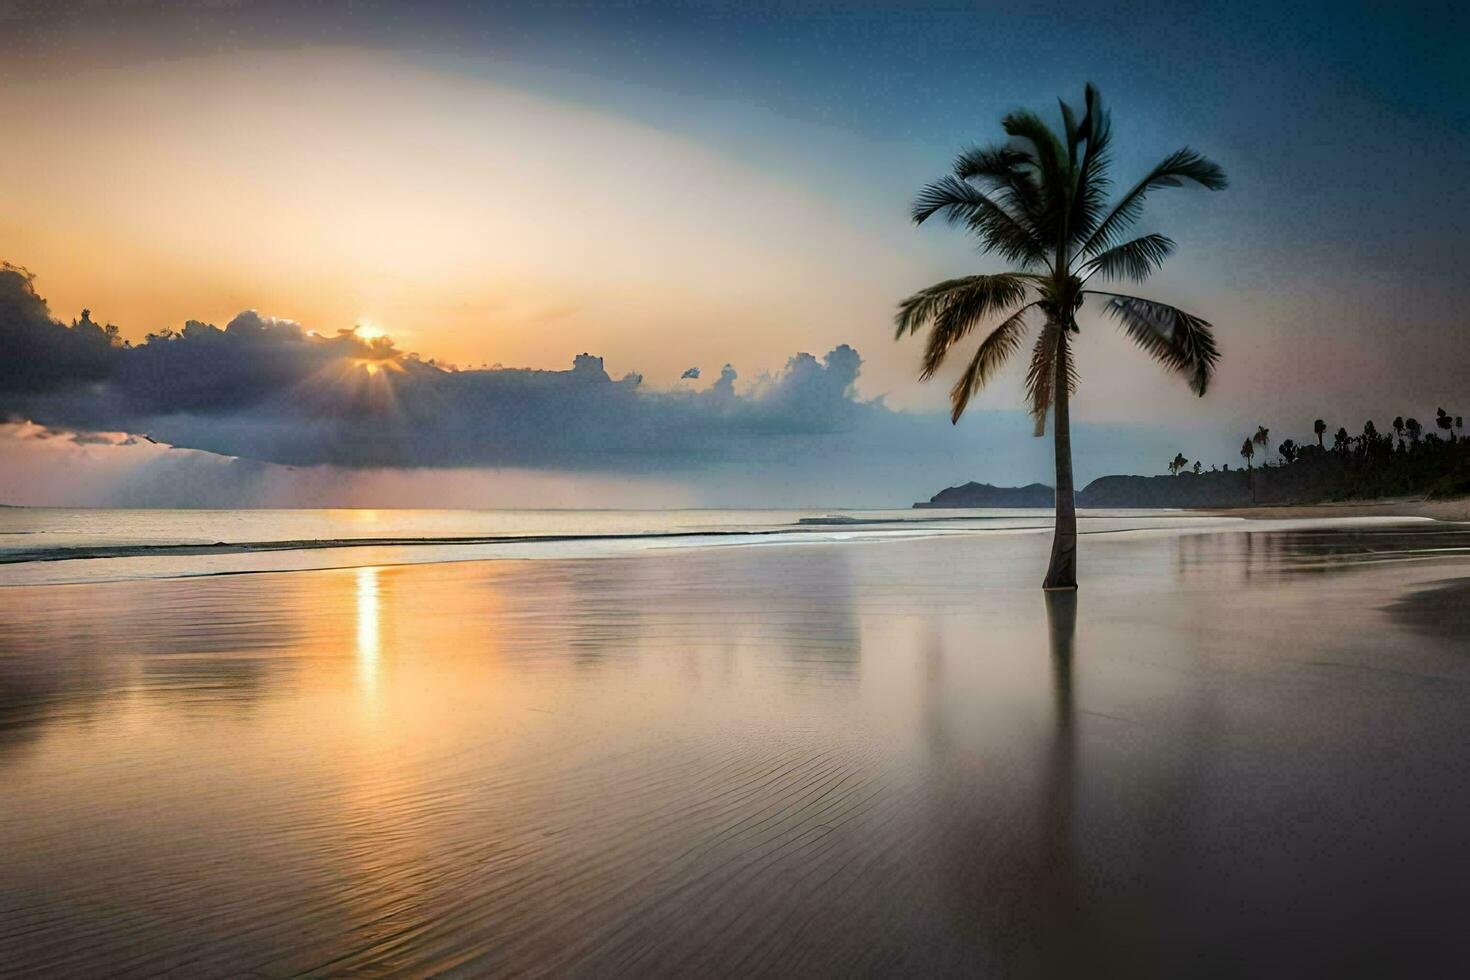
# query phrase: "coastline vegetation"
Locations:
[[1410, 459]]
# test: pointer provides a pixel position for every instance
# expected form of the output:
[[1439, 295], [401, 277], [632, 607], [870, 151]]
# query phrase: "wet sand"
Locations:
[[1234, 753], [1439, 510]]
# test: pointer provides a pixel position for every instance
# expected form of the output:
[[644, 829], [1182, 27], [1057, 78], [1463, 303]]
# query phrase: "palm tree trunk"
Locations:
[[1062, 573]]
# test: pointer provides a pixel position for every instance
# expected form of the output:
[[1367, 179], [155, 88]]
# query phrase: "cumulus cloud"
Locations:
[[268, 389]]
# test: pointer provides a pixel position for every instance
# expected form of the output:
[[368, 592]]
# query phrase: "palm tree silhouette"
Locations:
[[1040, 201], [1248, 450], [1443, 419], [1262, 438], [1319, 427]]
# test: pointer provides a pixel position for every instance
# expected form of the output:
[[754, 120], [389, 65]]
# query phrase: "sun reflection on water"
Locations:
[[369, 644]]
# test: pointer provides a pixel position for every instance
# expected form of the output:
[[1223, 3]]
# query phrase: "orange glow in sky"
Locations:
[[460, 212]]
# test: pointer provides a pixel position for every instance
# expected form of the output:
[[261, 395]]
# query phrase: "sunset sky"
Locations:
[[670, 188]]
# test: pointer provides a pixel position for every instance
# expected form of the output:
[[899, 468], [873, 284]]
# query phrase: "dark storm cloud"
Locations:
[[267, 389]]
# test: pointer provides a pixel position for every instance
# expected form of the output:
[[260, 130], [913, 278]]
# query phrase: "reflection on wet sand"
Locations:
[[893, 758], [1248, 555], [367, 630]]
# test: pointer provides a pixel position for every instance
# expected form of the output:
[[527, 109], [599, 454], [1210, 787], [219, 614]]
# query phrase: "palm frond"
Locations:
[[1091, 196], [1180, 341], [997, 163], [964, 307], [970, 293], [1136, 259], [918, 310], [1072, 129], [1053, 171], [1048, 150], [1041, 376], [1178, 167], [992, 353], [997, 229], [1009, 172]]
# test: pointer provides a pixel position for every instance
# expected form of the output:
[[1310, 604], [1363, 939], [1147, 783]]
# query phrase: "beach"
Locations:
[[1456, 510], [1238, 750]]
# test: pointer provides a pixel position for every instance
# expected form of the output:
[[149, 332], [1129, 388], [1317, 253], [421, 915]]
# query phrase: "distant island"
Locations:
[[984, 495], [1220, 489]]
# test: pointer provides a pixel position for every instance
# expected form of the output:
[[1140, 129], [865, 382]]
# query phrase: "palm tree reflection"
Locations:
[[1061, 621], [1058, 883], [1005, 819]]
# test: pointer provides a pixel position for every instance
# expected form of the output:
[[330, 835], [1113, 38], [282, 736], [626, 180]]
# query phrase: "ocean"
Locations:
[[60, 546]]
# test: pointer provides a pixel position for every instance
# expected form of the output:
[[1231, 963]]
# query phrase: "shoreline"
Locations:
[[1457, 510]]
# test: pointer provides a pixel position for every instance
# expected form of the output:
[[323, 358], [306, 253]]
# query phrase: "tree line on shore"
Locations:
[[1408, 459]]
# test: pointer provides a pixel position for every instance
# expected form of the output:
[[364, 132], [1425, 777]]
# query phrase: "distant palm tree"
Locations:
[[1248, 449], [1262, 438], [1177, 464], [1040, 201], [1319, 427], [1398, 429], [1443, 419]]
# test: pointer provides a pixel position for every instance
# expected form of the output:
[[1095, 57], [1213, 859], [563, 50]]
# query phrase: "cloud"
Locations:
[[270, 390]]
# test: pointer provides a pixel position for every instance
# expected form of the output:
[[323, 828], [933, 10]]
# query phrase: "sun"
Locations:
[[369, 331]]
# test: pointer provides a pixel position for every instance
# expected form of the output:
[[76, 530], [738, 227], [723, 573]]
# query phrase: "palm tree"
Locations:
[[1262, 438], [1177, 465], [1248, 449], [1443, 419], [1319, 427], [1040, 201]]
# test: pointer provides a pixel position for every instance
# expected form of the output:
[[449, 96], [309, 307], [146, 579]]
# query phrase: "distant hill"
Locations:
[[1222, 489], [984, 495]]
